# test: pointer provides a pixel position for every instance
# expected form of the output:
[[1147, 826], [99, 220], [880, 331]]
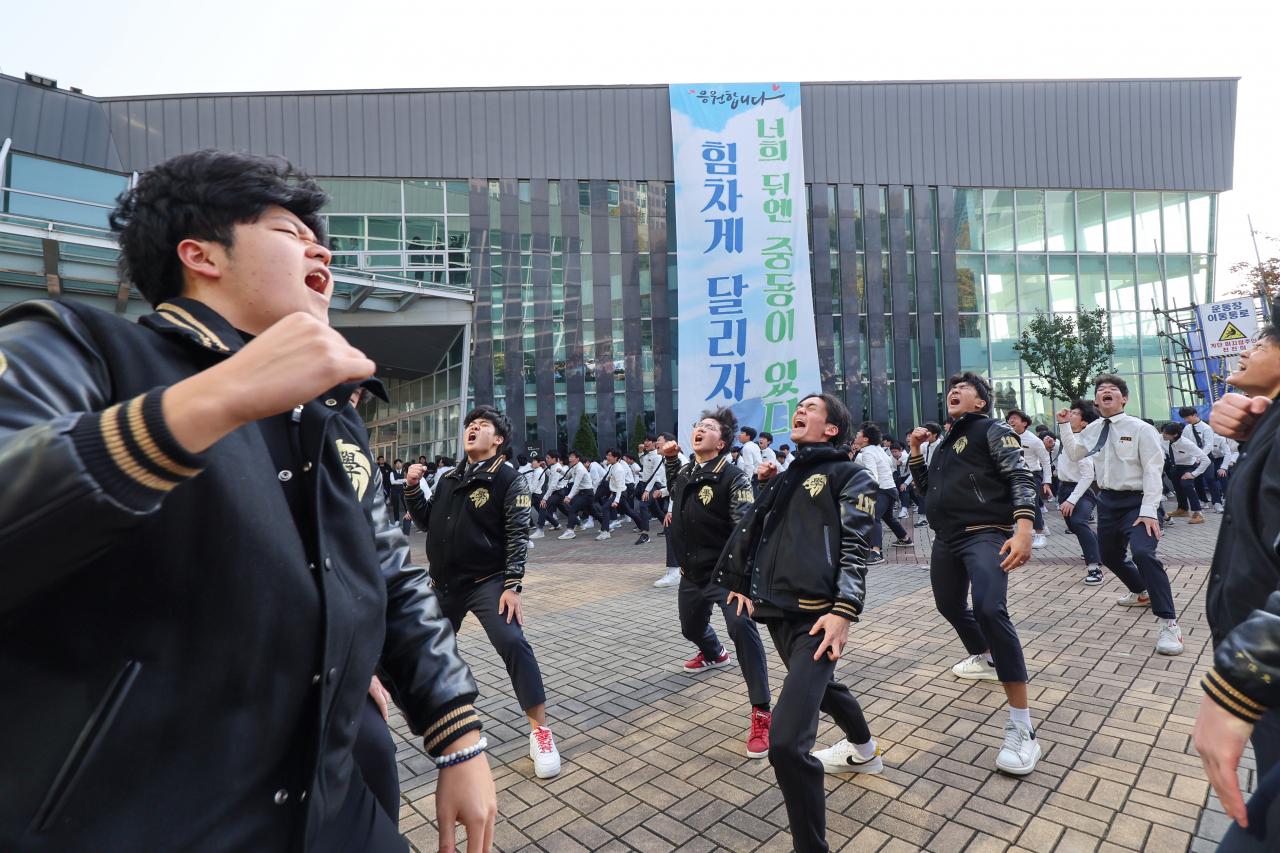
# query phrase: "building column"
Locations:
[[544, 360], [847, 201], [950, 295], [481, 283], [661, 253], [822, 304], [922, 207], [904, 392], [878, 364]]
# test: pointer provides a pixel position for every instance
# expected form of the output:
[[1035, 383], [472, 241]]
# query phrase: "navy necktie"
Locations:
[[1195, 432], [1102, 439]]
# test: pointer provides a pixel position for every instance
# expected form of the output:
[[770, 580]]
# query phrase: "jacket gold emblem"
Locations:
[[357, 466], [962, 443], [480, 497], [815, 484], [704, 495]]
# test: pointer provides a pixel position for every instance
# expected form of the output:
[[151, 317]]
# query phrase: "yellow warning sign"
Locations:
[[1231, 333]]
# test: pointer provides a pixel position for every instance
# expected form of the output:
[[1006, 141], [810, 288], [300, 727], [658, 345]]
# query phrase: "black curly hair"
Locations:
[[203, 196]]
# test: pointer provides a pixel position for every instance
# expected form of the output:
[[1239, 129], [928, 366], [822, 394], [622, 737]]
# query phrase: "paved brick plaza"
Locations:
[[654, 759]]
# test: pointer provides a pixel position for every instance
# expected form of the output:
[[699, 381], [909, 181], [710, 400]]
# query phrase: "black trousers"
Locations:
[[1186, 489], [554, 501], [695, 603], [583, 502], [1079, 521], [974, 561], [1117, 512], [884, 512], [809, 688], [507, 637], [1038, 524], [361, 825], [375, 752], [1211, 483], [397, 503]]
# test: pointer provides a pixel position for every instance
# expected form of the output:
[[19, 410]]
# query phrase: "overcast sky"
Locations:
[[165, 46]]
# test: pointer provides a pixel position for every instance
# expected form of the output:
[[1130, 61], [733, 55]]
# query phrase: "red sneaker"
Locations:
[[758, 740], [701, 664]]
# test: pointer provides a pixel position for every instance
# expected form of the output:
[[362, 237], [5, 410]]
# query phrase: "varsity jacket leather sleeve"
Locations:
[[1245, 678], [66, 454], [429, 681], [517, 506]]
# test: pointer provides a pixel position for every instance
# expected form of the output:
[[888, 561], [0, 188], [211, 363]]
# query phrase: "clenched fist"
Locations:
[[415, 473], [290, 363]]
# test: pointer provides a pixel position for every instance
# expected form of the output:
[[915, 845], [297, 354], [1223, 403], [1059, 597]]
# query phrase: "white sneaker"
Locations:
[[1135, 599], [671, 578], [975, 668], [529, 545], [537, 534], [1169, 642], [604, 534], [568, 534], [844, 758], [615, 525], [1037, 540], [588, 524], [1218, 508], [542, 749], [1021, 750], [904, 513]]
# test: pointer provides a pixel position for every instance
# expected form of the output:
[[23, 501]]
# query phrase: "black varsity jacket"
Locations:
[[802, 545], [477, 523], [977, 478], [177, 671], [706, 503]]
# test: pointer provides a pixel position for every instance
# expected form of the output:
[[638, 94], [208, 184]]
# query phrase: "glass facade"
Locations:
[[422, 417], [1131, 253]]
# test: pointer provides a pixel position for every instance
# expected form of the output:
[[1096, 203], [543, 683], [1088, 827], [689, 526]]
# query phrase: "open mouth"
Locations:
[[318, 280], [472, 436], [953, 400]]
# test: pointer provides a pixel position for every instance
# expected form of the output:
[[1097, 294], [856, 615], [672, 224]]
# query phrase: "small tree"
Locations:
[[1066, 354], [584, 441], [640, 430], [1263, 277]]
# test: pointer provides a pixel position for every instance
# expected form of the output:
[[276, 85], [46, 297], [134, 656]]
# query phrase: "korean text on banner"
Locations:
[[1230, 328], [747, 337]]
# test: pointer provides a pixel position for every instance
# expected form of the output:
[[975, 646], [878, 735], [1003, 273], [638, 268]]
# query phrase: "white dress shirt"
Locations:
[[767, 455], [580, 480], [878, 461], [1071, 471], [597, 474], [1132, 460], [1213, 444], [1185, 452], [784, 462], [555, 477], [1035, 455], [749, 461], [650, 464], [618, 472]]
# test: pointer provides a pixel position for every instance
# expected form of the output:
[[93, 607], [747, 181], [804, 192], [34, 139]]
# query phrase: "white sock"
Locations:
[[986, 656], [1020, 715], [866, 751], [1172, 623]]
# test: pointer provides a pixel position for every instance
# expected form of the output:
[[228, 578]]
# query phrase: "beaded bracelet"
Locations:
[[461, 755]]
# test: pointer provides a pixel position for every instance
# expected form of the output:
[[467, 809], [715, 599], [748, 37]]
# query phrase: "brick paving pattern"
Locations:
[[654, 759]]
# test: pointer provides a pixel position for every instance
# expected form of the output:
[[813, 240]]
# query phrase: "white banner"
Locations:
[[1230, 328], [746, 328]]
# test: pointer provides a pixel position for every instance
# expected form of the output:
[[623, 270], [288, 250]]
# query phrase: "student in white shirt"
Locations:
[[1036, 459], [1213, 483], [749, 459], [1189, 462], [658, 496], [580, 499], [926, 451], [552, 494], [784, 457], [766, 452], [876, 459], [1076, 500], [1128, 467]]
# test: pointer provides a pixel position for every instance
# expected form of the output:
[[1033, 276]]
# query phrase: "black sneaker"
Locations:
[[1094, 576], [875, 557], [904, 543], [921, 522], [644, 537]]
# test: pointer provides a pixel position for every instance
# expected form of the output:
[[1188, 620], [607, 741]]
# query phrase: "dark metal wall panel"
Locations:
[[664, 307], [900, 282], [482, 340], [1111, 134], [822, 303], [602, 294], [877, 360], [633, 354], [950, 295], [922, 231], [512, 303], [575, 375], [850, 210], [56, 124], [544, 354]]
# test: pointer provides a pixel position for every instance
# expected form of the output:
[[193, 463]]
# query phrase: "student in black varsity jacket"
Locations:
[[477, 526], [797, 561], [708, 498], [978, 488], [187, 670]]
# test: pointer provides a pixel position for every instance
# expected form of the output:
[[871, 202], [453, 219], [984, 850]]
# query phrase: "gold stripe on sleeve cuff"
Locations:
[[453, 721], [138, 426], [114, 441], [1236, 694], [1228, 703]]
